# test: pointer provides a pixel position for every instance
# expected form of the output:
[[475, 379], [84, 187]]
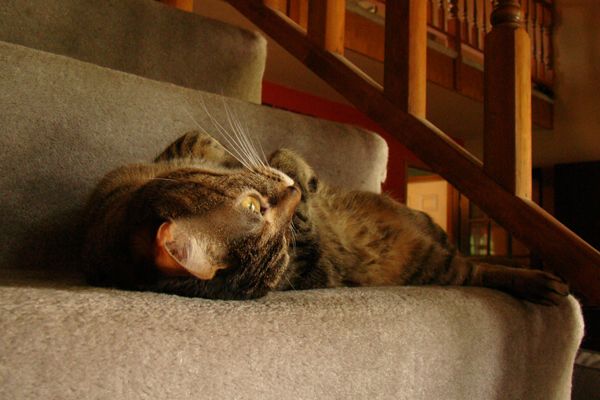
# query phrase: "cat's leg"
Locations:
[[529, 284], [294, 166], [198, 145], [446, 266]]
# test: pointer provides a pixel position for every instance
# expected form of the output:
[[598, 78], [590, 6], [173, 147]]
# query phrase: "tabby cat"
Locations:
[[201, 222]]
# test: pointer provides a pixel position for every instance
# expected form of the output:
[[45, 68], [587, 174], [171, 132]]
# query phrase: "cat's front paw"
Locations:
[[529, 284], [294, 166], [540, 287]]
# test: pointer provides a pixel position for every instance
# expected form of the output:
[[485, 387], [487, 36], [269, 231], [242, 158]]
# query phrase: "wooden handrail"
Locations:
[[562, 250]]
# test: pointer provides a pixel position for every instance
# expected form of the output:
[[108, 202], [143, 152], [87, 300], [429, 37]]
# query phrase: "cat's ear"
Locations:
[[177, 252]]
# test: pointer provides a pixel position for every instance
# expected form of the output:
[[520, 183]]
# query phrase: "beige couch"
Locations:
[[89, 85]]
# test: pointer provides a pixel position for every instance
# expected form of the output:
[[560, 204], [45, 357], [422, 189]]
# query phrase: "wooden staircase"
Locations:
[[501, 185], [456, 32]]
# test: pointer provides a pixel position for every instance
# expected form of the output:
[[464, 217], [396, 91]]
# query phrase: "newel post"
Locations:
[[507, 100]]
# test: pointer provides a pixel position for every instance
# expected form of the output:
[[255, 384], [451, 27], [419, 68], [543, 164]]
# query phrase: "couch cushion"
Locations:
[[414, 343], [65, 123], [143, 37]]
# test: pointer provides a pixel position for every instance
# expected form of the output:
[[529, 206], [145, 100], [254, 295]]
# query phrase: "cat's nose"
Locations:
[[290, 200], [293, 190]]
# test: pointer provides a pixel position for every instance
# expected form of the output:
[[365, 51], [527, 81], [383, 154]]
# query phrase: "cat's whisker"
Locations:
[[227, 136], [239, 136], [249, 143], [254, 144], [262, 152], [234, 137], [290, 283], [243, 137], [241, 147], [293, 235], [187, 110]]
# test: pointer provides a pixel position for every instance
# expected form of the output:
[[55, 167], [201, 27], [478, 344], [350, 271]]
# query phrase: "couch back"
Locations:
[[65, 123], [143, 37]]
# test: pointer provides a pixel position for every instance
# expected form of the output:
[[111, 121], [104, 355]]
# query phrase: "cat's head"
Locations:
[[208, 232]]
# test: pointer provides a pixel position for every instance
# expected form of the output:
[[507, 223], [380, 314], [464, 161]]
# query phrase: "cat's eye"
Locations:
[[251, 203]]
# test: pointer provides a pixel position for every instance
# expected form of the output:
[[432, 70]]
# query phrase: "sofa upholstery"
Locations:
[[142, 37], [408, 343], [65, 122]]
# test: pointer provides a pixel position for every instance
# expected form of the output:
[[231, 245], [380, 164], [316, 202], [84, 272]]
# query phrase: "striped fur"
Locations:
[[329, 238]]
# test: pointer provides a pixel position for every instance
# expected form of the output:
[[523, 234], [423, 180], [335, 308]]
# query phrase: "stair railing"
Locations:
[[501, 185]]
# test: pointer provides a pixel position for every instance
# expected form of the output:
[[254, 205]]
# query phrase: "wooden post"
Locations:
[[405, 63], [326, 24], [507, 100]]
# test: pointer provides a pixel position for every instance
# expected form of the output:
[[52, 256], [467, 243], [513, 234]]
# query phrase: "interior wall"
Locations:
[[431, 197], [576, 134]]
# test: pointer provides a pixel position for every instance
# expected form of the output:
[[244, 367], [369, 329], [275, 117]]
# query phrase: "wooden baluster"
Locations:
[[463, 13], [453, 23], [474, 25], [525, 14], [507, 100], [530, 25], [430, 12], [454, 30], [405, 66], [483, 27], [534, 34], [326, 23], [489, 6], [298, 11], [539, 55], [483, 22], [547, 45], [279, 5], [441, 15]]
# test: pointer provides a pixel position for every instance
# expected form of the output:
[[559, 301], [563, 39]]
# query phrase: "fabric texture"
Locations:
[[143, 37], [413, 343]]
